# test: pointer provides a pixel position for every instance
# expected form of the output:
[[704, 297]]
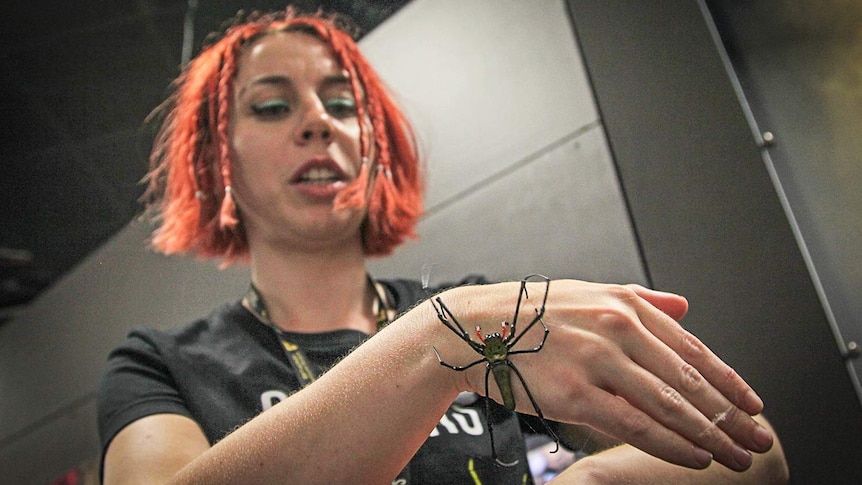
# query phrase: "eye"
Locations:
[[271, 108], [340, 107]]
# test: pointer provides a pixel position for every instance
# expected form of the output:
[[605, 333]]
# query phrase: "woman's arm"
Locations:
[[625, 464], [360, 422], [615, 359], [152, 449]]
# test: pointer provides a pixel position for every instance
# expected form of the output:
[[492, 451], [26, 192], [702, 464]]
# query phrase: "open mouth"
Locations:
[[320, 176]]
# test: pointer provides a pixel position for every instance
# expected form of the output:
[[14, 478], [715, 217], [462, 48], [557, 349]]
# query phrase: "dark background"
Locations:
[[77, 82]]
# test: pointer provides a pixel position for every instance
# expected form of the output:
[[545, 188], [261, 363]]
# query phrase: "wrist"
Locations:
[[416, 337], [448, 348], [470, 317]]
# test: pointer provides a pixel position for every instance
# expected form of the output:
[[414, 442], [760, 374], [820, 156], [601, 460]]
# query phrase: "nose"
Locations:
[[316, 125]]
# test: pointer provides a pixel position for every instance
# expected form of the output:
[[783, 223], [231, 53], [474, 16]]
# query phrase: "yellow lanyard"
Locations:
[[295, 356]]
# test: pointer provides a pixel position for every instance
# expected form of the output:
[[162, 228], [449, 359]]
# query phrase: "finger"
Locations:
[[668, 407], [733, 418], [615, 417], [693, 351], [673, 305], [685, 380]]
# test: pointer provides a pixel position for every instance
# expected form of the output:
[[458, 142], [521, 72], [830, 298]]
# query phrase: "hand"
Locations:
[[617, 360], [625, 464]]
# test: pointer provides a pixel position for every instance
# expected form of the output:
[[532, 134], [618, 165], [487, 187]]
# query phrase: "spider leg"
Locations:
[[540, 312], [538, 347], [547, 286], [521, 294], [442, 310], [524, 294], [457, 367], [491, 424], [536, 408]]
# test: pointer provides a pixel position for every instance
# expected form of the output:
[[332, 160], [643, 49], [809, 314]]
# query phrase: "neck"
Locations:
[[315, 292]]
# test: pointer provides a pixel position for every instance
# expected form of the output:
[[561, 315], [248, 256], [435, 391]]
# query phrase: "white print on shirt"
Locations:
[[462, 419], [465, 419], [269, 399]]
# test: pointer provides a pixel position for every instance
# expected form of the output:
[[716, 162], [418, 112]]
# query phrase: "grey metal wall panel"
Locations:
[[798, 67], [711, 224], [487, 83], [560, 214], [62, 441], [51, 357]]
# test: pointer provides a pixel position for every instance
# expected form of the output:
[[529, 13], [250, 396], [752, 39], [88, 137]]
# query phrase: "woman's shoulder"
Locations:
[[405, 293], [225, 320]]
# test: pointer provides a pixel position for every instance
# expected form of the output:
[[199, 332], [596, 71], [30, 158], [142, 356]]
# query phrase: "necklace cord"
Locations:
[[305, 372]]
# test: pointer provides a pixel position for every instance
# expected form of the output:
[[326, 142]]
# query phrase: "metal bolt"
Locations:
[[852, 351], [768, 138]]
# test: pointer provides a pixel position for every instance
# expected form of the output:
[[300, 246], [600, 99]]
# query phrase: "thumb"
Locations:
[[673, 305]]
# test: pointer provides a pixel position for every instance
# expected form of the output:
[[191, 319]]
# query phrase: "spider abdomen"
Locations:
[[503, 378]]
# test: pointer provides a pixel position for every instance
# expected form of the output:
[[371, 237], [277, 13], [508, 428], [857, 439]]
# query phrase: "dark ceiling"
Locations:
[[77, 81]]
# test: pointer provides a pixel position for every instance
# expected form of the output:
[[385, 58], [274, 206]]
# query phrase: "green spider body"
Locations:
[[495, 349], [497, 354]]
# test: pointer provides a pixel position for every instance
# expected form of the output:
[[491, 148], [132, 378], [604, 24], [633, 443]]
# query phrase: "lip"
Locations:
[[326, 190]]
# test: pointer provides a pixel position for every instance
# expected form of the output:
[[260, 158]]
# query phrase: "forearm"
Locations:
[[626, 464], [361, 422]]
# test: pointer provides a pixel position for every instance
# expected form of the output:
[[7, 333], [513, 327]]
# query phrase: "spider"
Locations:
[[495, 349]]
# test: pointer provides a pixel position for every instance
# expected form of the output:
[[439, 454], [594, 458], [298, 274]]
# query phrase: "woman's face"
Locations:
[[295, 141]]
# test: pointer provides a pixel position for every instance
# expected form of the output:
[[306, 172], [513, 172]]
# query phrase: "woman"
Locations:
[[281, 148]]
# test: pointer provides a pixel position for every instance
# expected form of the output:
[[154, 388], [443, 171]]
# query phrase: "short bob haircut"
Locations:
[[190, 176]]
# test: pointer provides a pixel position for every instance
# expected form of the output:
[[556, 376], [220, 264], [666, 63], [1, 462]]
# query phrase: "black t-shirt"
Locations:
[[223, 370]]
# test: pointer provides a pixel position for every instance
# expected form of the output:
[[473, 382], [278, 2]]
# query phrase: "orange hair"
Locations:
[[190, 176]]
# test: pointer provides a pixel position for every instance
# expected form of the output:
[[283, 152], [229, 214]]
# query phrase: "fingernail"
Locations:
[[762, 438], [741, 457], [753, 402], [702, 457]]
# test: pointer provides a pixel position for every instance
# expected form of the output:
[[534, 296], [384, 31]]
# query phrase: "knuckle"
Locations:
[[617, 321], [691, 380], [622, 325], [692, 349], [590, 471], [622, 293], [671, 400], [576, 393], [595, 350], [735, 384]]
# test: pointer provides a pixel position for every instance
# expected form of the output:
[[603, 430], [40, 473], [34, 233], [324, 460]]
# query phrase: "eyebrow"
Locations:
[[277, 79]]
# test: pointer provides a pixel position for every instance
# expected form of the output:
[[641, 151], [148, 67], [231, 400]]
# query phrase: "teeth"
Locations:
[[319, 175]]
